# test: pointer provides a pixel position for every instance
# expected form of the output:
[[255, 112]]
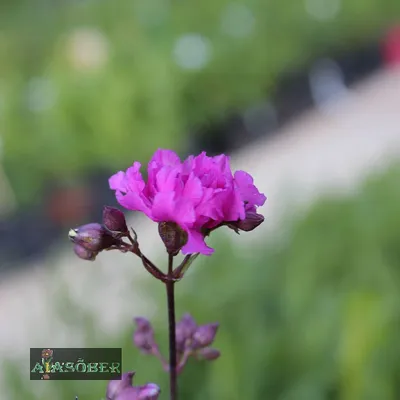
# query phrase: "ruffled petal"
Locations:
[[249, 193], [133, 178], [196, 244], [167, 178], [164, 157], [116, 182], [166, 208], [193, 190], [134, 201]]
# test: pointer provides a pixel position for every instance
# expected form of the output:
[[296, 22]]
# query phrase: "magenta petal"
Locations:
[[187, 166], [166, 179], [134, 179], [243, 179], [165, 157], [248, 191], [196, 244], [162, 159], [193, 189], [164, 207], [223, 163], [185, 213], [231, 204], [134, 201], [208, 205], [116, 182]]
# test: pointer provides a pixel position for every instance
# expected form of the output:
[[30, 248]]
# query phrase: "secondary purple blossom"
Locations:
[[124, 390], [192, 340], [198, 194]]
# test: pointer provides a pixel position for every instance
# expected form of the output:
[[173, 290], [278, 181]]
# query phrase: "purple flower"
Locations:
[[124, 390], [198, 194]]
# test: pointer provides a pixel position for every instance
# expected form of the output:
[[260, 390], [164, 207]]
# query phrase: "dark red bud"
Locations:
[[84, 254], [114, 220], [173, 236], [93, 237], [252, 221]]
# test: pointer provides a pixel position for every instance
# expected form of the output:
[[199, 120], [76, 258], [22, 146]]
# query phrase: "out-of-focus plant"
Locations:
[[86, 83]]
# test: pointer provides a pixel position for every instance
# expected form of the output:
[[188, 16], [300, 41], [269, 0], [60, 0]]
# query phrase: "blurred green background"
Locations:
[[87, 83], [313, 312]]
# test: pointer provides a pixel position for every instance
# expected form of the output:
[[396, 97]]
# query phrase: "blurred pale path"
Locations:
[[330, 149]]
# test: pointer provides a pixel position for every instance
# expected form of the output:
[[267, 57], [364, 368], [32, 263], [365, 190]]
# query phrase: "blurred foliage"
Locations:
[[313, 315], [90, 83]]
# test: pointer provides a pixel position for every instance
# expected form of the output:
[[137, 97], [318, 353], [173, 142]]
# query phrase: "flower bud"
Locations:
[[173, 236], [84, 254], [251, 221], [204, 335], [93, 237], [143, 337], [185, 329], [208, 354], [114, 220]]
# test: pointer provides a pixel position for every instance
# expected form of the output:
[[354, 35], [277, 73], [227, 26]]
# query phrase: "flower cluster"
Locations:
[[199, 195], [191, 340], [188, 200]]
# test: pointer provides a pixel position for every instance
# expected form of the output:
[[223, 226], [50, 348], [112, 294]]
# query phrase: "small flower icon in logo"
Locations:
[[46, 377], [47, 353]]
